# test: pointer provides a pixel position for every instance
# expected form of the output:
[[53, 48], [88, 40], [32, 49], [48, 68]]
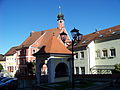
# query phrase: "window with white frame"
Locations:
[[97, 53], [76, 55], [112, 52], [81, 55], [104, 53], [82, 70], [77, 70]]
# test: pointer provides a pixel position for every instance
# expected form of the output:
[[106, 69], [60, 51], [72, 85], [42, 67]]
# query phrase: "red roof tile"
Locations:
[[52, 45], [11, 51], [96, 35], [35, 35]]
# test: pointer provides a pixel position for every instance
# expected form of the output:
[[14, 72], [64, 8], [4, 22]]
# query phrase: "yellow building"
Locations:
[[11, 61]]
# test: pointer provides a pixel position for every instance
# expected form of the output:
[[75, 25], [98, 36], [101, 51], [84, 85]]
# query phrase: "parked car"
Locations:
[[8, 81], [2, 78], [2, 84], [5, 79]]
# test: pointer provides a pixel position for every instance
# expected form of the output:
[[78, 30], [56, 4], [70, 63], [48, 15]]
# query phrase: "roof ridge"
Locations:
[[11, 50], [53, 45], [104, 29], [96, 35]]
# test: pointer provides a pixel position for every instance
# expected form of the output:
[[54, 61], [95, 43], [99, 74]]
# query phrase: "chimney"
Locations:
[[31, 33]]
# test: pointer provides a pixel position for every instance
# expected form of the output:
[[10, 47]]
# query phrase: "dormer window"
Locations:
[[101, 35], [115, 32], [85, 41]]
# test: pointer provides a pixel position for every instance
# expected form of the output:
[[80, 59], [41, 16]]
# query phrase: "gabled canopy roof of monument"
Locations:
[[52, 45]]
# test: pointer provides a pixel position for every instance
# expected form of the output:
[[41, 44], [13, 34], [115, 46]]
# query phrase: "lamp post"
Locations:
[[76, 38]]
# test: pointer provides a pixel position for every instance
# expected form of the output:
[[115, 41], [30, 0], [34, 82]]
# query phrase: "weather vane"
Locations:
[[60, 6], [60, 9]]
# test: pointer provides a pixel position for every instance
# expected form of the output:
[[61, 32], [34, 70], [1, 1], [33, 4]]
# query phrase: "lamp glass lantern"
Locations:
[[74, 33], [63, 36], [79, 36]]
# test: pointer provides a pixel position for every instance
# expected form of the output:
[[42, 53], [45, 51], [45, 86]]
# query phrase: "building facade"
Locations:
[[24, 52], [98, 52], [56, 57], [11, 61]]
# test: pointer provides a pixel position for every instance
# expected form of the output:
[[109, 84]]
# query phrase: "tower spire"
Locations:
[[59, 9], [60, 19], [60, 15]]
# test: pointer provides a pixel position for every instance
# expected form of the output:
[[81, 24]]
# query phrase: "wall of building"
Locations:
[[52, 64], [108, 45], [91, 52], [11, 64], [81, 62]]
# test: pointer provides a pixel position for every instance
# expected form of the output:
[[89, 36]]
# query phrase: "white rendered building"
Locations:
[[98, 52]]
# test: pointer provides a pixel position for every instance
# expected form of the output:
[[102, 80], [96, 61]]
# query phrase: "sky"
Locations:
[[19, 17]]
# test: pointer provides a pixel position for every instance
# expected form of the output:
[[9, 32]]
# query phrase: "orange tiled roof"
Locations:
[[11, 51], [99, 35], [35, 35], [52, 45]]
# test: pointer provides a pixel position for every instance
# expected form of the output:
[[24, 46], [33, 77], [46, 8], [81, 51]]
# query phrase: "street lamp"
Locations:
[[63, 36], [76, 38]]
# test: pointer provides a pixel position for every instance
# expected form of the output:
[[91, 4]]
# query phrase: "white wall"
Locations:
[[78, 62], [91, 53], [108, 45], [11, 61], [52, 63]]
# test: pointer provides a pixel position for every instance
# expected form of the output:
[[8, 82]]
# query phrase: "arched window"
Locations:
[[76, 55], [98, 53], [104, 53], [112, 52], [82, 55]]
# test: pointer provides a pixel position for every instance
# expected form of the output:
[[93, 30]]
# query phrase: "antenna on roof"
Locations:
[[96, 30]]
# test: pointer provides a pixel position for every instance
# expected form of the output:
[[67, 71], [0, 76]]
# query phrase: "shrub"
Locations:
[[117, 68], [1, 67]]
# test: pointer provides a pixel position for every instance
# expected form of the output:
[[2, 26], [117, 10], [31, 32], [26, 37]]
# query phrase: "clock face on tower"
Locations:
[[60, 21]]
